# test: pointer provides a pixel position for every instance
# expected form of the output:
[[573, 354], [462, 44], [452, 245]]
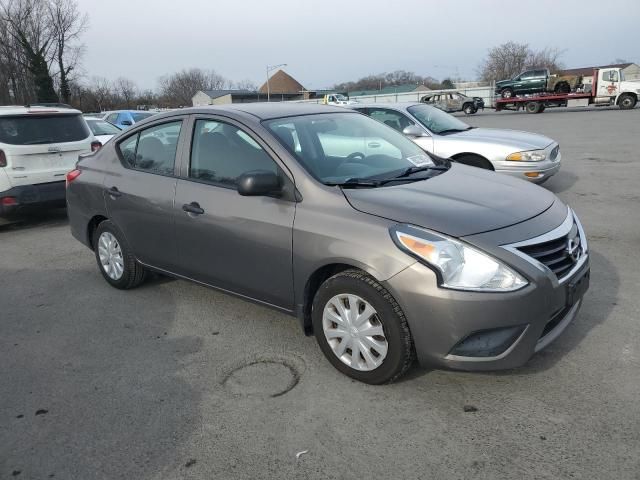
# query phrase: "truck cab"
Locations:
[[611, 88], [337, 99]]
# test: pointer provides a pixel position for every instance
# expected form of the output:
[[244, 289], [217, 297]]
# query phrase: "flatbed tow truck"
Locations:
[[609, 88]]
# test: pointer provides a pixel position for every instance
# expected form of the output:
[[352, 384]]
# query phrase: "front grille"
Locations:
[[559, 255], [554, 152]]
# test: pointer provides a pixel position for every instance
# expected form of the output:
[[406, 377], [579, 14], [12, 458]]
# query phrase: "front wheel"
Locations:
[[626, 101], [469, 109], [507, 93], [115, 259], [361, 329]]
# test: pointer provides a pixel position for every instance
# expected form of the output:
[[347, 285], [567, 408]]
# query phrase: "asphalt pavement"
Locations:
[[176, 381]]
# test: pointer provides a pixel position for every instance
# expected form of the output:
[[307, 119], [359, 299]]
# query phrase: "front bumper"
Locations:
[[536, 172], [441, 320], [52, 193]]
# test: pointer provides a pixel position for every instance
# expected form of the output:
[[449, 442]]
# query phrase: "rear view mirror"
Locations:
[[413, 131], [126, 122], [259, 183]]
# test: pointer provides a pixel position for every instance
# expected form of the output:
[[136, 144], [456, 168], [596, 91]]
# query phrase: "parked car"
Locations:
[[381, 256], [528, 156], [454, 102], [101, 129], [38, 146], [125, 118]]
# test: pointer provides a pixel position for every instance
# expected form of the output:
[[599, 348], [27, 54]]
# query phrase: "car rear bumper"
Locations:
[[15, 198]]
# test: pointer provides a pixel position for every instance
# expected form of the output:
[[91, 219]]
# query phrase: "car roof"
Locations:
[[261, 110], [18, 110]]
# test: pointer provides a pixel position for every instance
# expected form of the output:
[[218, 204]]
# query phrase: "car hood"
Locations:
[[503, 82], [514, 138], [462, 201]]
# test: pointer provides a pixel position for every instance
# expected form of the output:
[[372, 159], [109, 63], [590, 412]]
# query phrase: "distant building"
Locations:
[[407, 88], [283, 86], [221, 97], [631, 71]]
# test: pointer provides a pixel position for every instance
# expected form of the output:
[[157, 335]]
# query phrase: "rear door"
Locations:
[[139, 193], [43, 147], [237, 243]]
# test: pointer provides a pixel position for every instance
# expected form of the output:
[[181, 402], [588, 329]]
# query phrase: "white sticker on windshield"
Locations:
[[421, 160]]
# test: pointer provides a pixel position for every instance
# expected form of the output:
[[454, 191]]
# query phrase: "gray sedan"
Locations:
[[382, 251], [524, 155]]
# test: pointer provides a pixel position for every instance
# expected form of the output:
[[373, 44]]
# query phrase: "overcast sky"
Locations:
[[326, 42]]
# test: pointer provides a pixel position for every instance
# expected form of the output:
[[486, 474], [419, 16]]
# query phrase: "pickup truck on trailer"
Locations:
[[609, 88], [537, 81]]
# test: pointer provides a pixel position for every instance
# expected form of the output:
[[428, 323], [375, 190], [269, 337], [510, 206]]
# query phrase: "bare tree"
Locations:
[[177, 89], [511, 58], [126, 89], [67, 24], [246, 85], [102, 92], [32, 41], [391, 79]]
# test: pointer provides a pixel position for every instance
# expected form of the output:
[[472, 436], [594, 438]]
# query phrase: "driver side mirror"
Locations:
[[413, 131], [259, 183]]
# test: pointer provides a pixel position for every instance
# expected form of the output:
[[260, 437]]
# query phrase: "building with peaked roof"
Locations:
[[283, 86]]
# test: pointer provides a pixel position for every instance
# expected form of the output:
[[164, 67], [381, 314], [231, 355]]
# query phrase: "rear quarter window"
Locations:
[[42, 129]]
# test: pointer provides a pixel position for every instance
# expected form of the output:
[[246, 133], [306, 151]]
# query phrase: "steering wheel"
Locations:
[[355, 155]]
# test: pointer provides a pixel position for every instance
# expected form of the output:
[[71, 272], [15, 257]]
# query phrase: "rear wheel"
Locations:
[[115, 259], [626, 101], [361, 329], [562, 87], [469, 109], [533, 107]]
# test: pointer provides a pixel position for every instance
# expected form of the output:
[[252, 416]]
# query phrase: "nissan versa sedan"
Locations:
[[528, 156], [382, 251]]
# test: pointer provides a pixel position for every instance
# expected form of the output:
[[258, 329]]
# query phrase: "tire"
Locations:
[[507, 93], [388, 317], [626, 101], [132, 273], [562, 87], [474, 161], [469, 109], [532, 107]]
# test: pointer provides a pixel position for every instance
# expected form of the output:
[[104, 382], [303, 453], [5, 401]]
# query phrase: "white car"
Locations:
[[38, 147], [101, 129]]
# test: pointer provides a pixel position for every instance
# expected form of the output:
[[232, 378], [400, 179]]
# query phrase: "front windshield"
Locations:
[[338, 147], [436, 120], [100, 127], [342, 98]]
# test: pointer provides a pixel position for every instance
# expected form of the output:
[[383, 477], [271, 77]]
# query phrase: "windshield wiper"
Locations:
[[357, 182], [412, 170]]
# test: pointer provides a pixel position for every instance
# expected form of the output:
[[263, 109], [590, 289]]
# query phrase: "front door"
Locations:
[[139, 193], [608, 83], [237, 243]]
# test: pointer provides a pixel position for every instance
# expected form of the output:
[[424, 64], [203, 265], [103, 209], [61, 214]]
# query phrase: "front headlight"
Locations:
[[529, 156], [460, 266]]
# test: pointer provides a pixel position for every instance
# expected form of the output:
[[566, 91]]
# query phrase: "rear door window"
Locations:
[[152, 149], [42, 129]]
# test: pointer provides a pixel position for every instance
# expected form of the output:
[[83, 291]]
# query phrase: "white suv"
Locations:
[[38, 146]]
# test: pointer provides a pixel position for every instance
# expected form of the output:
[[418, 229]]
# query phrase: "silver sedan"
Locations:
[[524, 155]]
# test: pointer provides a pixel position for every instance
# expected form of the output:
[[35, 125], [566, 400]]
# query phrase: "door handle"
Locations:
[[193, 207], [114, 192]]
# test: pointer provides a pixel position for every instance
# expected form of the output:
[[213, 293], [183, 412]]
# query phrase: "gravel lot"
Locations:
[[174, 380]]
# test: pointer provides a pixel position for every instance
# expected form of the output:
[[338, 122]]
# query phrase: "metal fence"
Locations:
[[486, 93]]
